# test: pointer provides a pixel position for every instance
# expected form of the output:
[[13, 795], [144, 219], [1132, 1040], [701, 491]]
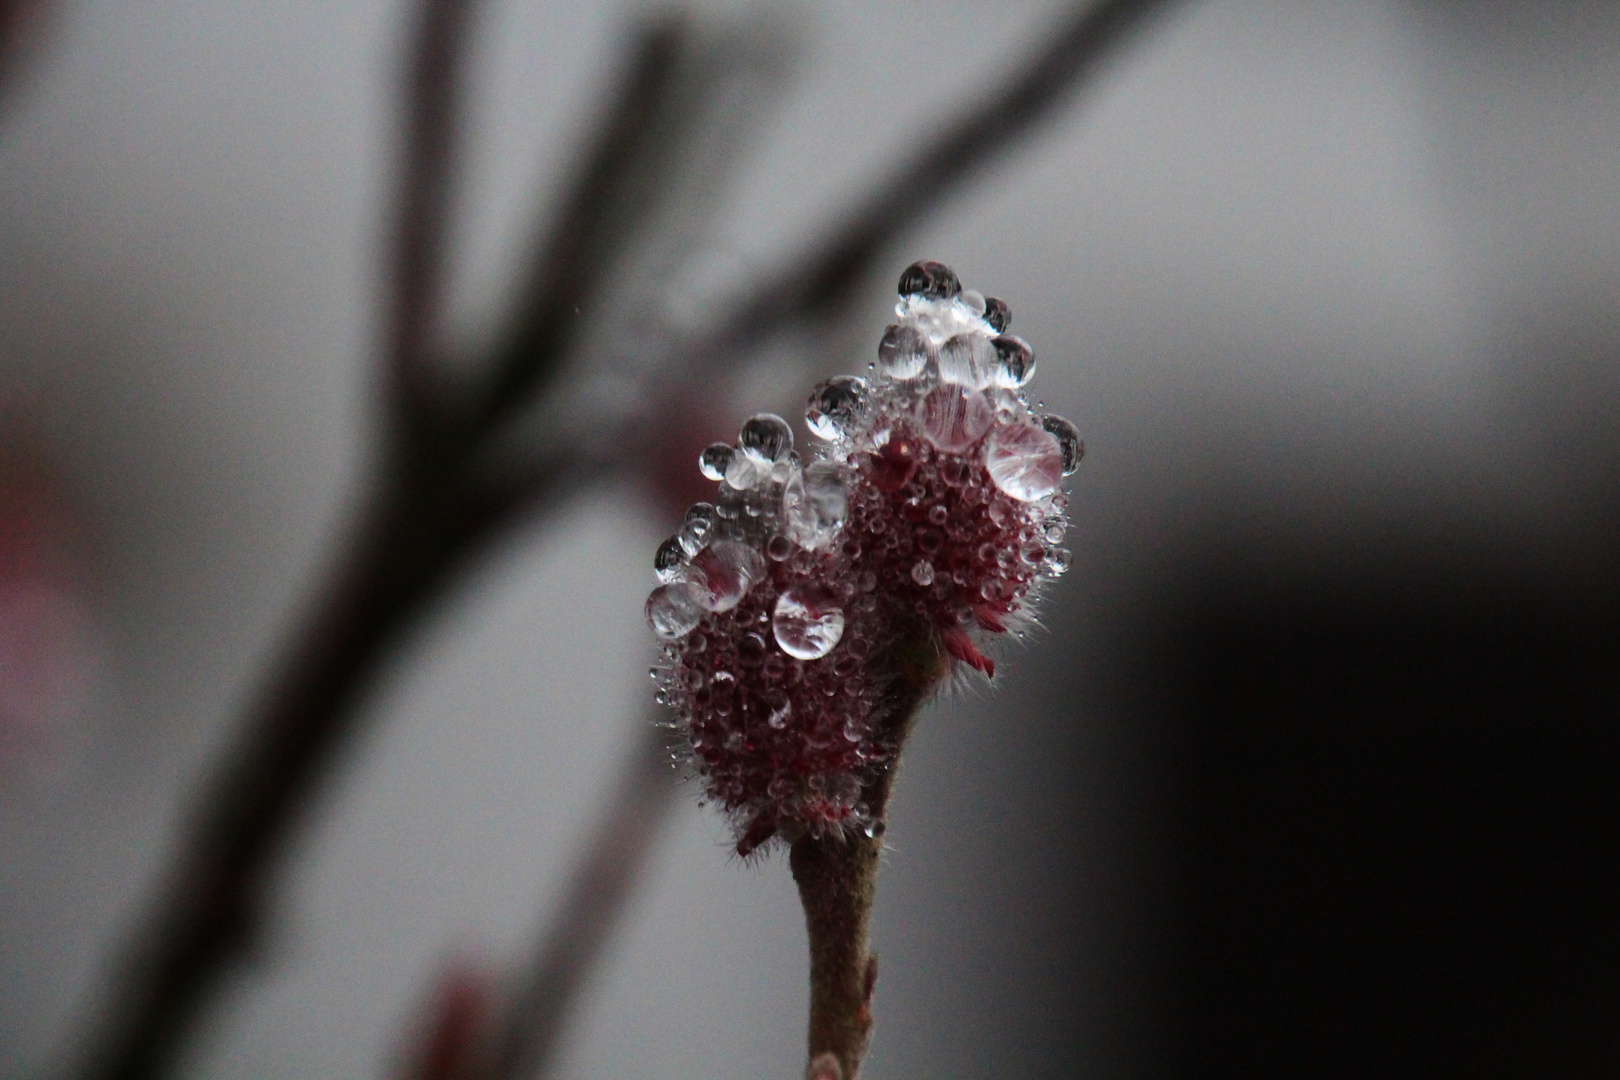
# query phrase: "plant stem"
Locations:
[[837, 881]]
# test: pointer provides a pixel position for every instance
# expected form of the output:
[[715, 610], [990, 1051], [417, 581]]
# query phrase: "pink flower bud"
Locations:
[[921, 527]]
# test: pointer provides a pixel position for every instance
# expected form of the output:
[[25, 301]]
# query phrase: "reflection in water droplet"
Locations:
[[807, 622], [1024, 461], [903, 352], [923, 572], [674, 610], [954, 418], [669, 559], [1068, 437], [766, 435], [967, 359], [724, 572], [836, 407], [696, 527], [815, 505], [1015, 362], [713, 461]]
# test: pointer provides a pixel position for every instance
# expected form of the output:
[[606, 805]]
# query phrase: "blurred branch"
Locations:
[[439, 504], [427, 170]]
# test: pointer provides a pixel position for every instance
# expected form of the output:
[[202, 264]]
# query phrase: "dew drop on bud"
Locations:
[[954, 418], [1068, 437], [815, 504], [1024, 461], [670, 558], [836, 407], [713, 461], [766, 435], [1015, 361], [933, 280], [807, 621], [743, 472], [1059, 561], [724, 572], [973, 300], [903, 352], [923, 572], [967, 359], [696, 527], [997, 314], [674, 610]]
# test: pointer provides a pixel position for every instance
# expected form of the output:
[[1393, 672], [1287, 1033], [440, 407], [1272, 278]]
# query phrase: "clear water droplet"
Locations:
[[1068, 437], [968, 360], [744, 472], [1024, 461], [973, 300], [1059, 561], [903, 352], [696, 528], [766, 435], [923, 572], [953, 418], [807, 621], [836, 407], [934, 280], [778, 548], [780, 711], [724, 572], [669, 560], [713, 461], [674, 610], [997, 314], [1015, 362], [815, 505]]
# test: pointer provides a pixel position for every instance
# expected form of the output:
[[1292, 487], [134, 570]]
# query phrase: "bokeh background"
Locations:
[[1314, 772]]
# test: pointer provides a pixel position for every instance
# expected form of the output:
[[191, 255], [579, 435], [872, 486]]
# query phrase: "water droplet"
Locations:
[[903, 352], [1068, 437], [923, 572], [937, 513], [973, 300], [778, 548], [674, 610], [1054, 531], [1059, 561], [997, 314], [669, 559], [954, 418], [696, 527], [1014, 363], [836, 407], [751, 651], [696, 643], [934, 280], [713, 461], [815, 505], [744, 471], [781, 709], [1024, 461], [967, 359], [893, 465], [766, 435], [807, 622], [724, 572]]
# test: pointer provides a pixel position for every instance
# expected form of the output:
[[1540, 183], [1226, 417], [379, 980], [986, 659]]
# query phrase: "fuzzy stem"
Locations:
[[837, 880]]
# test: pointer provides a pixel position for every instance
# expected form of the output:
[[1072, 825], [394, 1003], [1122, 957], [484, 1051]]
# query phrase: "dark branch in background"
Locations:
[[427, 168], [437, 505]]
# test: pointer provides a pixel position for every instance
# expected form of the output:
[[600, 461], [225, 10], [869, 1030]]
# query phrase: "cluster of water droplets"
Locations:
[[930, 512]]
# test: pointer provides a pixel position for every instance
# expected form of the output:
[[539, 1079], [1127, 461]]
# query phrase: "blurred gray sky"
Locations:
[[1337, 267]]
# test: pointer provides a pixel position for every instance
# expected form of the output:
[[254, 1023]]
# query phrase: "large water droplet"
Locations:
[[1024, 461], [934, 280], [815, 504], [1068, 437], [669, 560], [673, 610], [713, 461], [745, 471], [766, 435], [954, 418], [967, 359], [997, 314], [1015, 362], [807, 621], [836, 407], [724, 572], [696, 528], [903, 352]]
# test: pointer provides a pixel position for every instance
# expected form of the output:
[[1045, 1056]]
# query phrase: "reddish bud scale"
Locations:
[[808, 593]]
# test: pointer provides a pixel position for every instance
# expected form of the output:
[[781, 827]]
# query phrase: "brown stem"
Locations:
[[837, 879]]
